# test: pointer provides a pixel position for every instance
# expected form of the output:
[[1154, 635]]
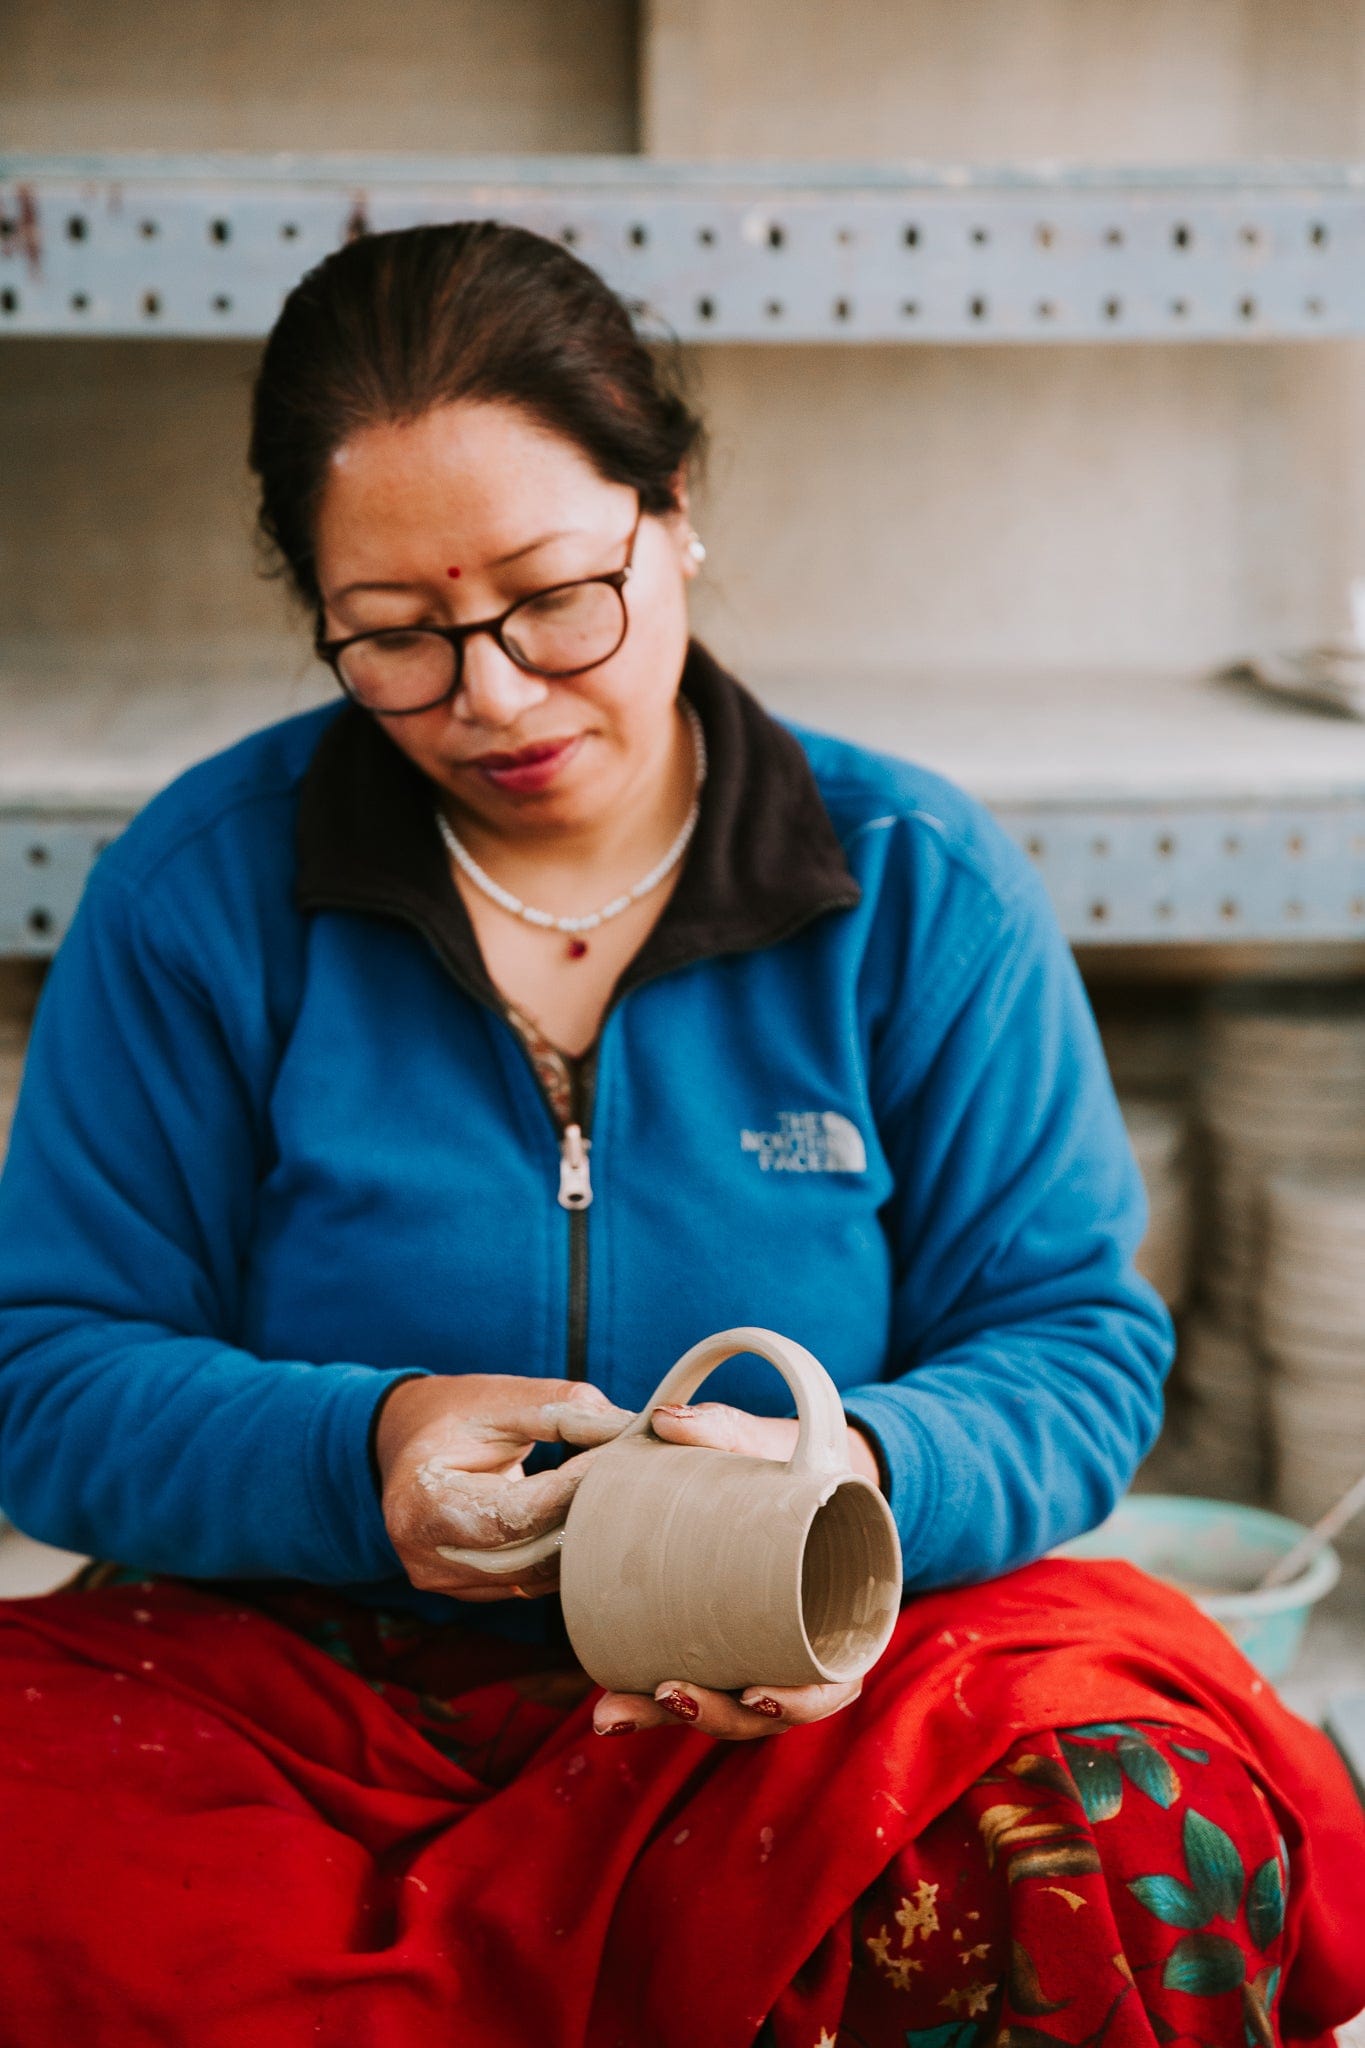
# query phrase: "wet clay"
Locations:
[[684, 1562]]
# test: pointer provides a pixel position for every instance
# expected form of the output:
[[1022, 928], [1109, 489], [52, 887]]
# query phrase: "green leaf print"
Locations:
[[955, 2034], [1105, 1728], [1170, 1900], [1205, 1963], [1196, 1756], [1265, 1904], [1257, 2024], [1144, 1766], [1098, 1780], [1215, 1867]]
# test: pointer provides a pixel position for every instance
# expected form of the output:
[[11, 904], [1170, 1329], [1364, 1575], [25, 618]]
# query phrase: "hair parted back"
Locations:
[[391, 325]]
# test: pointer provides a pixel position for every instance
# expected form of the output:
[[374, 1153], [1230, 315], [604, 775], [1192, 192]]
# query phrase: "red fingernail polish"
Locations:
[[618, 1728], [682, 1704], [765, 1706]]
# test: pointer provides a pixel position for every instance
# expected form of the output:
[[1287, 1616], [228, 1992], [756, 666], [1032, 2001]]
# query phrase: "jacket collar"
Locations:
[[764, 860]]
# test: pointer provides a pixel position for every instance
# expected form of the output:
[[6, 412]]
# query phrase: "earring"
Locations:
[[696, 547]]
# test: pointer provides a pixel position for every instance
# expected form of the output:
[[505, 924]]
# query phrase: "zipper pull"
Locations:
[[575, 1182]]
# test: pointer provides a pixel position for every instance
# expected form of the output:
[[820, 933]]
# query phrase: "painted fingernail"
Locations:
[[618, 1728], [765, 1705], [681, 1704]]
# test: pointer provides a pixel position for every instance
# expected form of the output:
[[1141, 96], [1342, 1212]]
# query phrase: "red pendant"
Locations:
[[577, 948]]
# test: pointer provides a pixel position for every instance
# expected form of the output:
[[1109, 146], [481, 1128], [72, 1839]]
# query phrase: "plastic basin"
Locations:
[[1215, 1550]]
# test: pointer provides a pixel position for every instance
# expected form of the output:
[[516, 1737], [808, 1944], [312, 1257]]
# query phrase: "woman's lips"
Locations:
[[531, 768]]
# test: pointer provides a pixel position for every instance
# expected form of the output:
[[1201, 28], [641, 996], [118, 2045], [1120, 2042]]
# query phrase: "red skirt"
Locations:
[[1064, 1806]]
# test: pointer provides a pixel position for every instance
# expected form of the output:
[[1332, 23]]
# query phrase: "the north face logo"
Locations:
[[808, 1141]]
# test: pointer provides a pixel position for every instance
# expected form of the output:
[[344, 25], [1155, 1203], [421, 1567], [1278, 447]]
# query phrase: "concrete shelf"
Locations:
[[1159, 808]]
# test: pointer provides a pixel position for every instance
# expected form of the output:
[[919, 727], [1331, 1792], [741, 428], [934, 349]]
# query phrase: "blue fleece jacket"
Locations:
[[265, 1161]]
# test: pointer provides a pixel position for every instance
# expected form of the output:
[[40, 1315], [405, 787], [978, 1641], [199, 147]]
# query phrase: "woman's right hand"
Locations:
[[450, 1449]]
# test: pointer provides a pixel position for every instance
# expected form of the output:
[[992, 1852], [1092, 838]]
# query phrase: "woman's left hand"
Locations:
[[677, 1703]]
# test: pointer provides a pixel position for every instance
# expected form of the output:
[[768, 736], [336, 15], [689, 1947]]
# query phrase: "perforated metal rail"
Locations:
[[1117, 874], [150, 244]]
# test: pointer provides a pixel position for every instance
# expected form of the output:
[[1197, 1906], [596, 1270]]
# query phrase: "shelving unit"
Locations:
[[1070, 693]]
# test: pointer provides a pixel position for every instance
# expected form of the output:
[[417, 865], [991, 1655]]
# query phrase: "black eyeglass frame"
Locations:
[[330, 650]]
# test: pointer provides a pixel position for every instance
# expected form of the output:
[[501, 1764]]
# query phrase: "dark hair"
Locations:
[[390, 325]]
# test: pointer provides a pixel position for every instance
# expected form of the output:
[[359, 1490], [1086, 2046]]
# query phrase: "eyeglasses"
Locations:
[[561, 631]]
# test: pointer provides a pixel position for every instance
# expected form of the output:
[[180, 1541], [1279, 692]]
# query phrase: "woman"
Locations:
[[418, 1080]]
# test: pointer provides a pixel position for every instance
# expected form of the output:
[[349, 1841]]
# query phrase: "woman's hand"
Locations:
[[450, 1448], [677, 1703]]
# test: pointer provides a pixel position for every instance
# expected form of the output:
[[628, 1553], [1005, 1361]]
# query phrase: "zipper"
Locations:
[[575, 1195], [575, 1180], [575, 1192]]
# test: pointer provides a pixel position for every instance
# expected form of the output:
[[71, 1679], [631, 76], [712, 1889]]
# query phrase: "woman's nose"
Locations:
[[494, 692]]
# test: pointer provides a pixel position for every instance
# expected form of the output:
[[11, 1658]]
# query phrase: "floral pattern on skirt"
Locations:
[[1103, 1885]]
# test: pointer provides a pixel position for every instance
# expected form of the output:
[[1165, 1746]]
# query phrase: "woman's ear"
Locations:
[[677, 484], [679, 523]]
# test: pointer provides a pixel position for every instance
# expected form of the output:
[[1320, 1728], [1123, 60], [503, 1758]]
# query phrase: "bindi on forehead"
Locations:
[[453, 571]]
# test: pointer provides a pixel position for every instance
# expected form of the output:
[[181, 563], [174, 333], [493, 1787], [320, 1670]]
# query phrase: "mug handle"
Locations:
[[821, 1441]]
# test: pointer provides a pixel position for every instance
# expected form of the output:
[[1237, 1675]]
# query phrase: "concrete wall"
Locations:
[[1102, 81], [457, 75], [1089, 507]]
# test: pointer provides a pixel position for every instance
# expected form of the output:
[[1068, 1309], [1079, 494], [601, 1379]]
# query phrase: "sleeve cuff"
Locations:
[[905, 1453], [372, 1435], [346, 1503]]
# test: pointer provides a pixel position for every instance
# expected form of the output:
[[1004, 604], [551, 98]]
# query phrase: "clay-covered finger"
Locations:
[[483, 1510], [543, 1411], [531, 1582], [620, 1713], [800, 1703], [717, 1426], [586, 1425], [712, 1713]]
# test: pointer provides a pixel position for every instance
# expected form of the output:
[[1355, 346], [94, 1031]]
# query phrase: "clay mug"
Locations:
[[716, 1567]]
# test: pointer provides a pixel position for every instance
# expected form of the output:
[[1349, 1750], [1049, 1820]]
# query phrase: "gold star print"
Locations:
[[970, 2001], [880, 1945], [826, 2039], [920, 1915], [977, 1954], [900, 1969]]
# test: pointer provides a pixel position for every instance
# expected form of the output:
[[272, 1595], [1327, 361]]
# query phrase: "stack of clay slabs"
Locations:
[[1215, 1438], [1281, 1086], [1312, 1318], [1156, 1131]]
